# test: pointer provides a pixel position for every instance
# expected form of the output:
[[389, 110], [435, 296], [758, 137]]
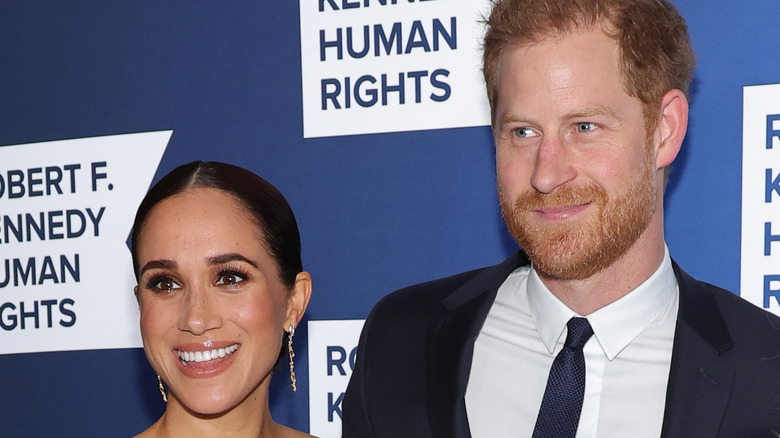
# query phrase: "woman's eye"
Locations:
[[525, 132], [164, 284], [229, 279], [585, 127]]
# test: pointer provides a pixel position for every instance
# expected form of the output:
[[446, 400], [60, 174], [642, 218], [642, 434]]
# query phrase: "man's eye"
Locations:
[[585, 127], [525, 132]]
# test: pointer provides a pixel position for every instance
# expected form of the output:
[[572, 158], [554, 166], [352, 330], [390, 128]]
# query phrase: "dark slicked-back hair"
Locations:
[[276, 223], [655, 51]]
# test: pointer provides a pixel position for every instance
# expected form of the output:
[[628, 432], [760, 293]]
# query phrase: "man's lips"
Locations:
[[560, 212]]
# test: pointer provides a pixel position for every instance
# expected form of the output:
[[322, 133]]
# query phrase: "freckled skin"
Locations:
[[200, 296], [580, 177]]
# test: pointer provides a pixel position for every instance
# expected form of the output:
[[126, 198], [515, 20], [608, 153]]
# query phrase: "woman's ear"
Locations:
[[300, 293]]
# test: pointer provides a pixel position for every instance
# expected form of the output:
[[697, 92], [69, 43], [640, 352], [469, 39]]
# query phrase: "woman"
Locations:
[[221, 288]]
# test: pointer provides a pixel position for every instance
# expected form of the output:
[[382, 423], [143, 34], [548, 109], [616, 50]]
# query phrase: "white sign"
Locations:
[[760, 273], [332, 352], [66, 209], [371, 66]]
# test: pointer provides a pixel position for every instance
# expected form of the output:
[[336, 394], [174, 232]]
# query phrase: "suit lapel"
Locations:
[[451, 346], [699, 380]]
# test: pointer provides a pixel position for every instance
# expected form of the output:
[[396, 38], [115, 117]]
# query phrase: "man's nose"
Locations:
[[553, 167]]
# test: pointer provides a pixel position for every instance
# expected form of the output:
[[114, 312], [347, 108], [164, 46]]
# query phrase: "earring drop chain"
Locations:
[[291, 353], [162, 388]]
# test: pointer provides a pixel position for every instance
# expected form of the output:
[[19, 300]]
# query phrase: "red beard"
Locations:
[[578, 249]]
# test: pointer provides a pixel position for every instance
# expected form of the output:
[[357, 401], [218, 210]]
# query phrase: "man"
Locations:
[[589, 107]]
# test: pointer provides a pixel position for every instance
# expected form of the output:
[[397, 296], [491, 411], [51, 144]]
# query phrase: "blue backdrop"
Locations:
[[376, 212]]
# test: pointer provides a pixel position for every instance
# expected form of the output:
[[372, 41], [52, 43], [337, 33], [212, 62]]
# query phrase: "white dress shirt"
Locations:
[[627, 359]]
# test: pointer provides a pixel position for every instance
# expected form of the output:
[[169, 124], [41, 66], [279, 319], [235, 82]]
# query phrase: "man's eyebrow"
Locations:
[[229, 257], [595, 110], [513, 117]]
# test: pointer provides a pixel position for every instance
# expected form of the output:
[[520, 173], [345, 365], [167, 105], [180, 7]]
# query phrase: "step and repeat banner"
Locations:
[[370, 67], [66, 209], [760, 272], [369, 115]]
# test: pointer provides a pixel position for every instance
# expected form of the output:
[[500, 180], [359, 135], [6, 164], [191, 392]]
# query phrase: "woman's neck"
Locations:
[[250, 419]]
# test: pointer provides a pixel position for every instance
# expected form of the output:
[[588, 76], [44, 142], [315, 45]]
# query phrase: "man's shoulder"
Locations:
[[422, 298], [745, 321], [741, 314], [424, 301], [730, 301], [731, 344]]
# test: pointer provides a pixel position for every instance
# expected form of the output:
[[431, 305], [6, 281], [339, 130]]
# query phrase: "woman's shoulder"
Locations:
[[148, 433], [287, 432], [152, 431]]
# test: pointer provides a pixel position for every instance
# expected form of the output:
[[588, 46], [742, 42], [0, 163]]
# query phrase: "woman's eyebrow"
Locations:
[[230, 257], [159, 264]]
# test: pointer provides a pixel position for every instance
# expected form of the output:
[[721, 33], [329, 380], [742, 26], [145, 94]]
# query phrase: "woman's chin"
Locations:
[[206, 405]]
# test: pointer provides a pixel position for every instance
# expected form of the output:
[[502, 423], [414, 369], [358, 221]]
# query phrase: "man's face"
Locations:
[[576, 169]]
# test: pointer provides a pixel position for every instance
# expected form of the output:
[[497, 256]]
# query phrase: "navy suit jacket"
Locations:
[[415, 351]]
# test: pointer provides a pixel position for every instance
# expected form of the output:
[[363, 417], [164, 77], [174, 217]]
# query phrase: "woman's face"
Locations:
[[213, 309]]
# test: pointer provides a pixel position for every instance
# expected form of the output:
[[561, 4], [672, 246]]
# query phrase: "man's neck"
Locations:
[[612, 283]]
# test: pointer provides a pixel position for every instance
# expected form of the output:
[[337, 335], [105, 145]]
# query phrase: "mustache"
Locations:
[[566, 195]]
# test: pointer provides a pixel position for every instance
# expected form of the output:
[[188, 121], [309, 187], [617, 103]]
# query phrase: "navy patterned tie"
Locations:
[[562, 402]]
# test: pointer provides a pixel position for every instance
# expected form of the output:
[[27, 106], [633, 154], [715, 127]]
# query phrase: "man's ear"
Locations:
[[671, 127]]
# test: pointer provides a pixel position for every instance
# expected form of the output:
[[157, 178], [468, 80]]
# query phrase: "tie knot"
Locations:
[[579, 332]]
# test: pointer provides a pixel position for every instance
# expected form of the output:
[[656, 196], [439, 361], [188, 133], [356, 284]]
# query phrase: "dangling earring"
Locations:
[[291, 353], [162, 388]]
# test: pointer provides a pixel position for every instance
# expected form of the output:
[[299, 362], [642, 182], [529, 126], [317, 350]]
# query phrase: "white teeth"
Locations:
[[205, 355]]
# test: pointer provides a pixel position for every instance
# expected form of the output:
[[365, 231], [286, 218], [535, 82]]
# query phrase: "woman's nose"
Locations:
[[200, 312]]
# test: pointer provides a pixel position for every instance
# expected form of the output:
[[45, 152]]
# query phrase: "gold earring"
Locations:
[[291, 353], [162, 388]]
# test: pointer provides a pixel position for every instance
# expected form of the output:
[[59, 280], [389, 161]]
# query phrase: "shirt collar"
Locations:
[[614, 325]]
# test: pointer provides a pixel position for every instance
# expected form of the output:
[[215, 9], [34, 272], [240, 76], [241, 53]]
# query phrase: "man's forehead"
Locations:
[[558, 35]]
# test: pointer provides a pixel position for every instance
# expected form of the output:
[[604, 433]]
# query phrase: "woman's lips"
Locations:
[[207, 359], [206, 355], [560, 212]]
